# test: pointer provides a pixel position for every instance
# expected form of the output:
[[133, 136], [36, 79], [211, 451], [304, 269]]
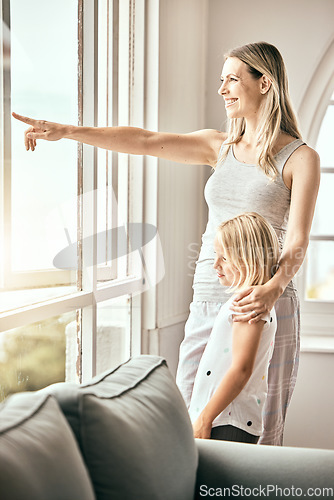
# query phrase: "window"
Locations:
[[320, 268], [43, 82], [315, 281], [68, 211]]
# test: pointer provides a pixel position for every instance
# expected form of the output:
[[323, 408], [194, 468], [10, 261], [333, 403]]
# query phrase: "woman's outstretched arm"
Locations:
[[200, 147]]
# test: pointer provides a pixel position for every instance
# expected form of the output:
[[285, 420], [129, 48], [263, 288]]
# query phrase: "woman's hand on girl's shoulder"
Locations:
[[254, 303]]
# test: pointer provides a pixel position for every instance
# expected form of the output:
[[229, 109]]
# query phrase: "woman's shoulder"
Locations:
[[304, 156], [285, 140], [305, 152]]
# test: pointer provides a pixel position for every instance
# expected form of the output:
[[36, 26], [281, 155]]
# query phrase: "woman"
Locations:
[[264, 133]]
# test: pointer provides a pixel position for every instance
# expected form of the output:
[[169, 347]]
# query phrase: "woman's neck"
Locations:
[[250, 136]]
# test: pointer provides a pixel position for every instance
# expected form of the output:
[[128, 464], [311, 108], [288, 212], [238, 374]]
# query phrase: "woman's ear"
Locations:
[[265, 83]]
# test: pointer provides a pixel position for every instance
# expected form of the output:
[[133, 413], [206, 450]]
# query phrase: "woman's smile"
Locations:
[[229, 102]]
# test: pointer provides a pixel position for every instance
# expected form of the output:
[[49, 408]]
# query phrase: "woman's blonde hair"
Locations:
[[251, 246], [277, 112]]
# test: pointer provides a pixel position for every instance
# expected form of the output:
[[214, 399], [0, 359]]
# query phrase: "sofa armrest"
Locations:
[[267, 470]]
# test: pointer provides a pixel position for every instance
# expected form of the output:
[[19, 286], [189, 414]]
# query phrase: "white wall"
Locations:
[[311, 413], [194, 35]]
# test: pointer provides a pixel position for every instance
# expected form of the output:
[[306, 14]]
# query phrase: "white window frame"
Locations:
[[131, 111], [317, 315]]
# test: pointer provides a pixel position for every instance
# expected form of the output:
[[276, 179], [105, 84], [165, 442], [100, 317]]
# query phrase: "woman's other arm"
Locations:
[[246, 339], [304, 192], [305, 180], [200, 147]]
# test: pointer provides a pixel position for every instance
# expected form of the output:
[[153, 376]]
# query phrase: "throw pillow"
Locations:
[[134, 432], [39, 456]]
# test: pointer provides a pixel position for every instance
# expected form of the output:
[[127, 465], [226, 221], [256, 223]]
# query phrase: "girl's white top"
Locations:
[[245, 411]]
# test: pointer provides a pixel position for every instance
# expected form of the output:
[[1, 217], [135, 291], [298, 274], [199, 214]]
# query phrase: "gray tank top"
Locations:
[[232, 189]]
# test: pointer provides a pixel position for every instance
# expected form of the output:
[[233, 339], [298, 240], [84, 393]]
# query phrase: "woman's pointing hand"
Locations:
[[40, 129]]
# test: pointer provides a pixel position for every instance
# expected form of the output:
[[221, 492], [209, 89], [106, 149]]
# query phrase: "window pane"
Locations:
[[33, 356], [325, 139], [323, 222], [103, 121], [107, 161], [44, 86], [113, 333], [320, 270]]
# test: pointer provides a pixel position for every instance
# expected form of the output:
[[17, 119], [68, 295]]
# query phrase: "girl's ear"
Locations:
[[265, 83]]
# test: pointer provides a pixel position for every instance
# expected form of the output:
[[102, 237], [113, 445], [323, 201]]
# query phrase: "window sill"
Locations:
[[38, 310], [15, 299], [317, 344]]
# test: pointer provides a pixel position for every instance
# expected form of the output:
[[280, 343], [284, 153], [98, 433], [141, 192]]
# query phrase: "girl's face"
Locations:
[[228, 275], [242, 93]]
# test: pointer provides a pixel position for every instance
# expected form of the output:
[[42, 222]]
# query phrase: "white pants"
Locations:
[[282, 370]]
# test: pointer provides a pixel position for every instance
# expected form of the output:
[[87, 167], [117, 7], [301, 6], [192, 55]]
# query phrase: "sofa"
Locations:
[[126, 434]]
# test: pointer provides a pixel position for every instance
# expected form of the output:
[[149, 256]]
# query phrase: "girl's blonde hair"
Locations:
[[251, 245], [277, 112]]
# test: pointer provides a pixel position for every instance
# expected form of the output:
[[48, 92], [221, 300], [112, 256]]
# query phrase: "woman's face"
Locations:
[[228, 275], [242, 93]]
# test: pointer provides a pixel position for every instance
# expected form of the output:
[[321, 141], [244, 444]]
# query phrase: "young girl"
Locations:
[[231, 382]]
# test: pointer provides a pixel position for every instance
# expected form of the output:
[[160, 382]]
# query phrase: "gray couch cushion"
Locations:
[[39, 456], [134, 431]]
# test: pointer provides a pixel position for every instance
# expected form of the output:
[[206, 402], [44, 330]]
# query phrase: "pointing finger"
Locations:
[[25, 119]]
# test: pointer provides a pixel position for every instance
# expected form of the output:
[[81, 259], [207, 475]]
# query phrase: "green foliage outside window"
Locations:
[[33, 357]]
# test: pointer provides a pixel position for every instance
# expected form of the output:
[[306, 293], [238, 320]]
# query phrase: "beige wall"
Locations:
[[301, 29], [181, 211]]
